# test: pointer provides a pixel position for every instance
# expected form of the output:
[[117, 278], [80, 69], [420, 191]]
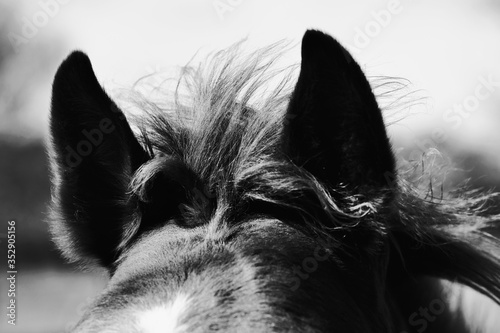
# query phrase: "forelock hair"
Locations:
[[225, 122]]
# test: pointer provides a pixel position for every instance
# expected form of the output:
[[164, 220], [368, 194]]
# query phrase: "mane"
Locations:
[[225, 123], [235, 164]]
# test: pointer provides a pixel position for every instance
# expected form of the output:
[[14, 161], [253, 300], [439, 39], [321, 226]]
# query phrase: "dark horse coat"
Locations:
[[285, 215]]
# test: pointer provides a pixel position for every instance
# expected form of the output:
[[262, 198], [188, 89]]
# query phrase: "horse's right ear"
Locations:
[[94, 155], [334, 127]]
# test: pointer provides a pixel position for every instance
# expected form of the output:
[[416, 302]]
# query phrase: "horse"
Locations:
[[287, 215]]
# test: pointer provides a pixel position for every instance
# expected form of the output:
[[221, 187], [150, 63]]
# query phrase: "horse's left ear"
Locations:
[[94, 155], [334, 127]]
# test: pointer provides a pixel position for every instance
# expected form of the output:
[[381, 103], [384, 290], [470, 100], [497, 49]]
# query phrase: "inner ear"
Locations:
[[334, 127], [94, 155]]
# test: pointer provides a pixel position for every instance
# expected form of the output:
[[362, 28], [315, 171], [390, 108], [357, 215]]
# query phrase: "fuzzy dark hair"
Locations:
[[229, 132], [227, 153]]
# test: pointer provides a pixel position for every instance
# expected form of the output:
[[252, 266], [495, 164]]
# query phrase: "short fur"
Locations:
[[229, 197]]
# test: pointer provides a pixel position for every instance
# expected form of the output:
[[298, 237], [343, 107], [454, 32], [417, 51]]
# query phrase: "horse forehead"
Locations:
[[158, 249], [164, 246], [164, 318]]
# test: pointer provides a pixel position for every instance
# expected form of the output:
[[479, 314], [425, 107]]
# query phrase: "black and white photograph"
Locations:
[[192, 166]]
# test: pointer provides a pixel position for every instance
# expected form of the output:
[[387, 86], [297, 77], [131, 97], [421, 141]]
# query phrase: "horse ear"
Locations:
[[94, 154], [334, 127]]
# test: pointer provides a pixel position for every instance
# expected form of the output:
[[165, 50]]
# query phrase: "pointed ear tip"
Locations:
[[77, 55], [74, 78], [76, 63], [315, 37], [310, 40], [76, 58], [315, 40], [314, 34]]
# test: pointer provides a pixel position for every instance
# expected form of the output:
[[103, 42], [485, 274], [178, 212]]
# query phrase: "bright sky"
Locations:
[[443, 47]]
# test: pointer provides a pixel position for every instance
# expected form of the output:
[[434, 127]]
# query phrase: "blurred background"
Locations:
[[443, 102]]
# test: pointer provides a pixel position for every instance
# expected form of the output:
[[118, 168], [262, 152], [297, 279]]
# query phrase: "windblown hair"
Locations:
[[223, 149], [233, 146], [229, 131]]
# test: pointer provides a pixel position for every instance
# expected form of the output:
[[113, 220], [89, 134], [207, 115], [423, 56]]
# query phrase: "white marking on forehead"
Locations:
[[164, 318]]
